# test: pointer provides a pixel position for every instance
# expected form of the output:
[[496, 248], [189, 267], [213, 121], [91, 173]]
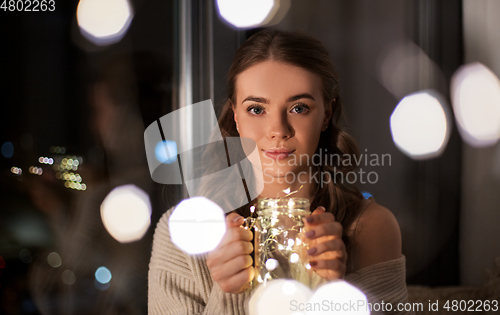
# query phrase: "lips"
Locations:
[[278, 154]]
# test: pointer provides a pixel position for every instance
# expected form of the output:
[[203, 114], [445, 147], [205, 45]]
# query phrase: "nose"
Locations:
[[279, 127]]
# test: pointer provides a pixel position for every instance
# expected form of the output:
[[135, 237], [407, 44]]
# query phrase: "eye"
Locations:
[[255, 109], [300, 108]]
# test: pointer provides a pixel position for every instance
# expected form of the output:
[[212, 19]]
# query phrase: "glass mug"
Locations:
[[279, 242]]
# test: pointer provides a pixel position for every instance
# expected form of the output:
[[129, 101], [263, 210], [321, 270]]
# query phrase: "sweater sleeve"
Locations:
[[180, 283], [383, 282]]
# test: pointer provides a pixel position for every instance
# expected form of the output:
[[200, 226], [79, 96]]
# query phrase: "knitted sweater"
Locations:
[[180, 283]]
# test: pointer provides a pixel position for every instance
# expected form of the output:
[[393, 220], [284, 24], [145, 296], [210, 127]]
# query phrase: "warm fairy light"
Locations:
[[287, 191], [294, 258], [271, 264], [276, 297], [126, 213], [197, 225], [475, 94], [104, 22]]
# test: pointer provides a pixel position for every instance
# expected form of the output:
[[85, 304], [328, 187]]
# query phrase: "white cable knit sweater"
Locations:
[[181, 284]]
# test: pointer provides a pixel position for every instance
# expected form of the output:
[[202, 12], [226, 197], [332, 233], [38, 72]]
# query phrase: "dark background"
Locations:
[[47, 69]]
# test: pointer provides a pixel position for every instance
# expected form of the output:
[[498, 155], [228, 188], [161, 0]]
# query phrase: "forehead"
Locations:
[[277, 81]]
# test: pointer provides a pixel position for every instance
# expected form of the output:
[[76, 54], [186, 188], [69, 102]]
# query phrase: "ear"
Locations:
[[329, 111], [234, 112]]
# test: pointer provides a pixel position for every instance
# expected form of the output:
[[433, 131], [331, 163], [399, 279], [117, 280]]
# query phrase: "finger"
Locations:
[[235, 282], [332, 265], [319, 210], [223, 272], [233, 220], [333, 247], [235, 234], [235, 249], [318, 217], [327, 229]]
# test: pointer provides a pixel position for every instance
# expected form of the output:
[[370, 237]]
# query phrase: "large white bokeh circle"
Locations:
[[197, 225], [420, 125], [246, 13], [475, 94], [126, 213]]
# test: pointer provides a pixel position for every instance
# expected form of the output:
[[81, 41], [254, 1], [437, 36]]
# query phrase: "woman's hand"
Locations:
[[229, 263], [327, 253]]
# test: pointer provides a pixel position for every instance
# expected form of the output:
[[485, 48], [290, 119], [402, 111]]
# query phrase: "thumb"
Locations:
[[234, 220], [319, 210]]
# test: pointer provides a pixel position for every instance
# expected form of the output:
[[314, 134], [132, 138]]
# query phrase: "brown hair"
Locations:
[[341, 199]]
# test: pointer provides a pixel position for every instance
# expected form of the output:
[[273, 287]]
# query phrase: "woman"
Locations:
[[283, 93]]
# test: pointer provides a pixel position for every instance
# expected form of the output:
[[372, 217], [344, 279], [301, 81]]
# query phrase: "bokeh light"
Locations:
[[405, 68], [104, 22], [7, 149], [247, 13], [103, 275], [25, 256], [68, 277], [366, 194], [475, 95], [54, 259], [126, 213], [197, 225], [276, 296], [420, 125], [16, 170], [341, 295], [271, 264], [166, 151]]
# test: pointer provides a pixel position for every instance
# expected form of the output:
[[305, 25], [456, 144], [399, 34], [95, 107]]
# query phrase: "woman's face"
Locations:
[[281, 107]]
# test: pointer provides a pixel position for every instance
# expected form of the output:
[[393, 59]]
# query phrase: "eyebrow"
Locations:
[[290, 99]]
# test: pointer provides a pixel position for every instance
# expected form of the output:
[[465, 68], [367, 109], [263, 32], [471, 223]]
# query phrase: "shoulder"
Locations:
[[377, 236]]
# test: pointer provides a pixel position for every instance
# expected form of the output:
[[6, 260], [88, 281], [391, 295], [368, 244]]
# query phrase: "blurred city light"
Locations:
[[104, 22], [7, 149], [68, 277], [247, 13], [126, 213], [197, 225], [420, 125], [103, 275], [36, 170], [276, 297], [475, 95], [16, 170], [340, 293], [405, 68], [54, 259], [166, 151]]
